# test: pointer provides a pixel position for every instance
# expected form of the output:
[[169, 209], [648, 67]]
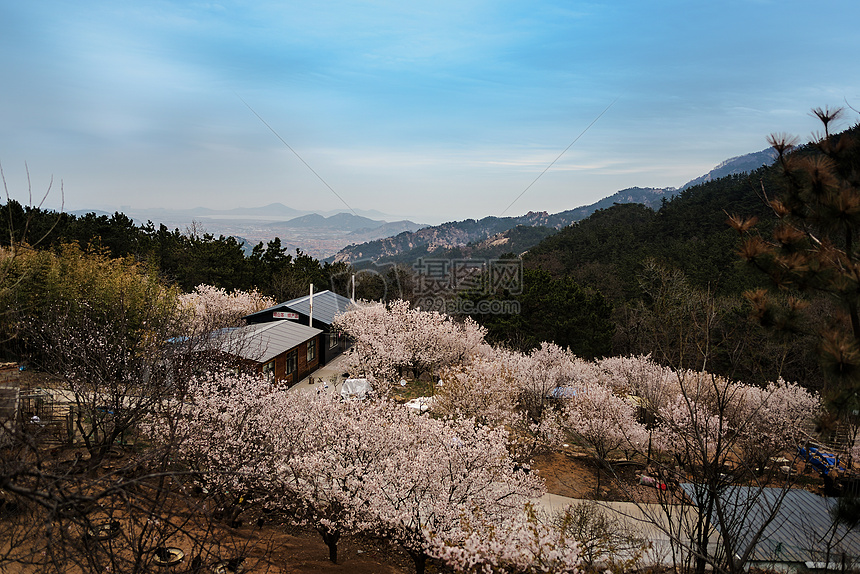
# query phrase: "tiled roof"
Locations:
[[262, 342], [327, 305], [798, 533]]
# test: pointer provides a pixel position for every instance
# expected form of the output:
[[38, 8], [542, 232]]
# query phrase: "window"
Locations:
[[332, 340], [312, 350], [292, 362], [269, 370]]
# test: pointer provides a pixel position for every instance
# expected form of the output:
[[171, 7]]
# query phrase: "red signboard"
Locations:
[[285, 315]]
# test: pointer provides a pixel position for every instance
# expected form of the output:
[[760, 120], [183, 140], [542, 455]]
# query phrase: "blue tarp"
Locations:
[[823, 462]]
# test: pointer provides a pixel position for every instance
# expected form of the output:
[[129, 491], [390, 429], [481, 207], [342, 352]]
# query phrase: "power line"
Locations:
[[313, 171], [546, 169]]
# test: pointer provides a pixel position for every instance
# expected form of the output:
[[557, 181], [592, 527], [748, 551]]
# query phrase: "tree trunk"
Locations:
[[330, 539], [855, 319], [420, 560], [703, 534]]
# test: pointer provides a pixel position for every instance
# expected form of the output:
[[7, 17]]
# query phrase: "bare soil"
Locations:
[[280, 549], [574, 474]]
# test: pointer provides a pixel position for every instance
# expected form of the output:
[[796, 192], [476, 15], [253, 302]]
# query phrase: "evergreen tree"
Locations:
[[813, 249]]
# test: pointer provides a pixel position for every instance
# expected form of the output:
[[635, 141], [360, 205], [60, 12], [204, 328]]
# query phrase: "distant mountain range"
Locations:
[[735, 166], [320, 235], [415, 244], [271, 212], [338, 235], [348, 222], [489, 236]]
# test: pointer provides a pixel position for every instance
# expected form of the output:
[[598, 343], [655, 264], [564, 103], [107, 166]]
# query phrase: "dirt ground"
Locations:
[[574, 474], [566, 476], [277, 549]]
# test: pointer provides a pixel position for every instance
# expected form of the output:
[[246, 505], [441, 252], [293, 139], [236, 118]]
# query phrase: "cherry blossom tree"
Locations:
[[718, 435], [708, 432], [445, 472], [603, 422], [523, 544], [348, 467], [486, 388], [643, 381], [219, 429], [300, 453], [518, 390], [212, 308], [437, 340], [718, 421], [542, 372], [450, 488], [378, 340], [329, 477], [640, 376], [389, 339], [772, 417]]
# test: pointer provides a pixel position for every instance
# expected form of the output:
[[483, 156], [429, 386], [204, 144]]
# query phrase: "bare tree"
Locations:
[[715, 444], [17, 240]]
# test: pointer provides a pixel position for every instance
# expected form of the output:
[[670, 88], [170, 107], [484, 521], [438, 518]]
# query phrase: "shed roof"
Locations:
[[262, 342], [9, 397], [327, 305], [800, 531], [8, 412]]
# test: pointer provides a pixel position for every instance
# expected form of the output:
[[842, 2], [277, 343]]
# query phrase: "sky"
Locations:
[[434, 111]]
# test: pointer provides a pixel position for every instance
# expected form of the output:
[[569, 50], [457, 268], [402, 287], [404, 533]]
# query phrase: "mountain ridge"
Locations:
[[438, 240], [341, 235]]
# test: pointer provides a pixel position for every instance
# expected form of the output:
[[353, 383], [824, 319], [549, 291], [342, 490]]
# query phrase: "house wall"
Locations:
[[281, 366], [304, 367], [328, 352]]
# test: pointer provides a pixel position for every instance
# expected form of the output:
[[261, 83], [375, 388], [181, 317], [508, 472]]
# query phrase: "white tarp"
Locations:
[[355, 389], [420, 405]]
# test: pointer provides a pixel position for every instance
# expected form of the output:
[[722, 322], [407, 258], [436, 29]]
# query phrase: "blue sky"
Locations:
[[435, 111]]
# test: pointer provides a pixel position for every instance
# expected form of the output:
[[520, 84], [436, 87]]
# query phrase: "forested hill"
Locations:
[[474, 238], [689, 232], [185, 258], [408, 246], [515, 240]]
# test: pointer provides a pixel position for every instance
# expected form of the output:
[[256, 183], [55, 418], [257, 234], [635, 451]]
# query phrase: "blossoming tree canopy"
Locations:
[[213, 308], [446, 471], [390, 338], [347, 467]]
